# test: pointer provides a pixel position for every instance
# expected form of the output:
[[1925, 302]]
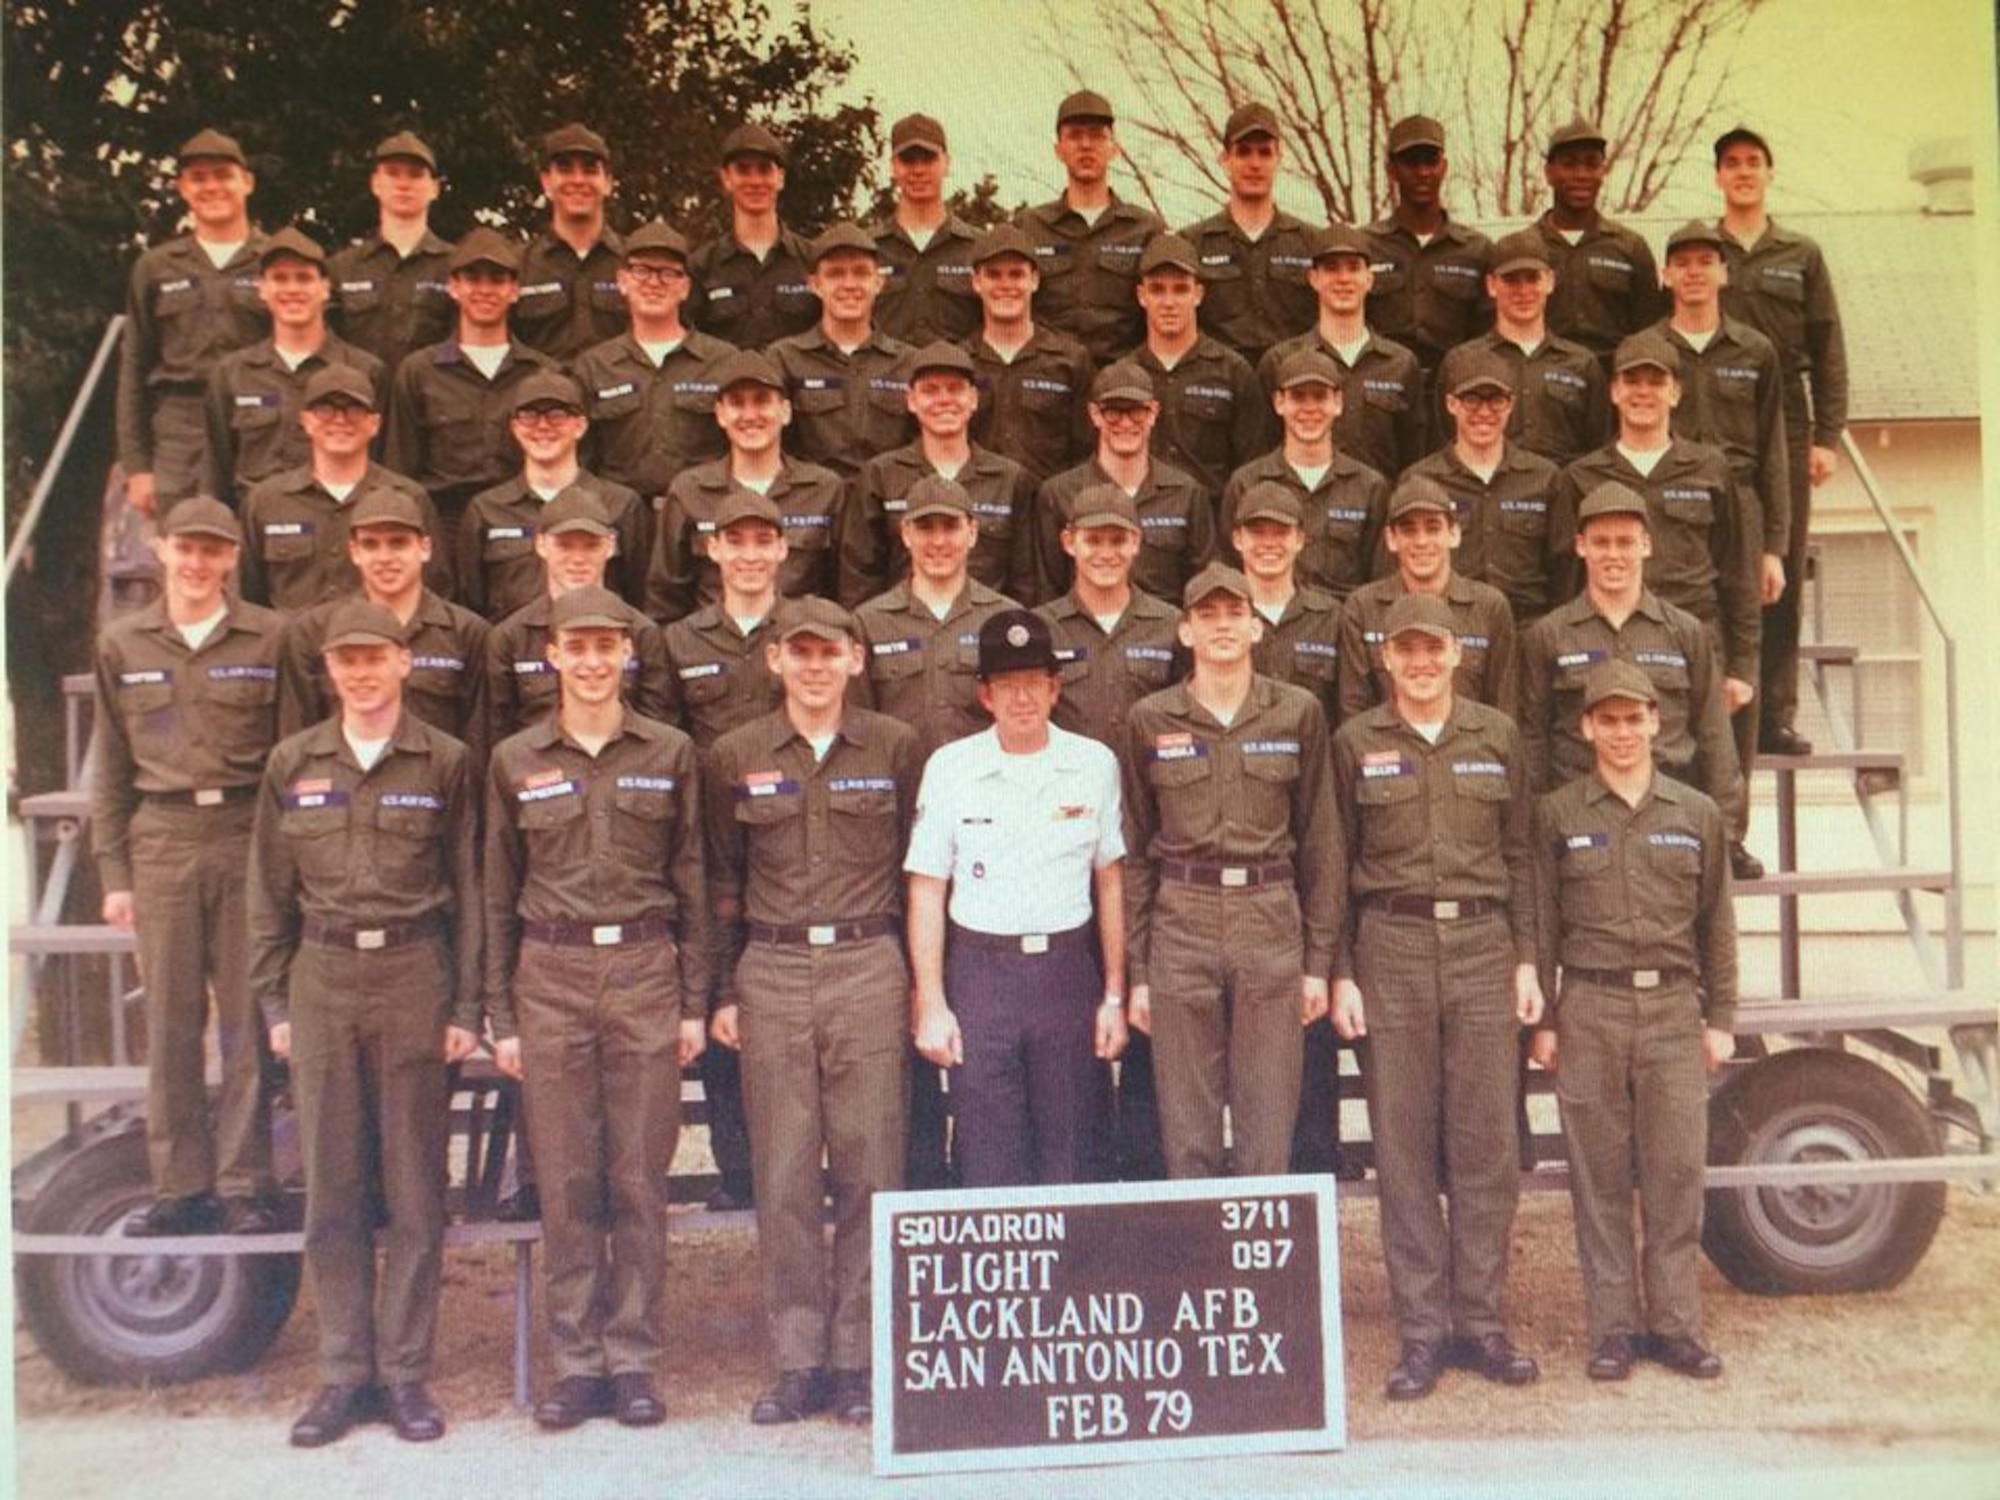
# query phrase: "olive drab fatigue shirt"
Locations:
[[846, 408], [1780, 286], [921, 669], [498, 567], [1607, 284], [926, 294], [718, 673], [569, 302], [1505, 535], [1733, 398], [1488, 667], [1345, 513], [1176, 530], [1254, 291], [749, 302], [252, 408], [449, 426], [1383, 420], [648, 422], [1088, 271], [521, 684], [1214, 416], [389, 303], [1302, 647], [1429, 296], [295, 538], [811, 501], [872, 554], [1034, 408], [1104, 672], [1562, 401]]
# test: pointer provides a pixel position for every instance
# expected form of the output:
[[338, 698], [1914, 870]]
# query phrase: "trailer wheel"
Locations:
[[1818, 1105], [129, 1319]]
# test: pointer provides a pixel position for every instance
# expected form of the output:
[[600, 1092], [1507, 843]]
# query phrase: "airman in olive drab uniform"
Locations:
[[390, 294], [1382, 419], [1607, 285], [924, 248], [570, 297], [649, 391], [809, 807], [450, 403], [1252, 256], [1500, 490], [295, 524], [1176, 519], [1087, 241], [255, 393], [598, 971], [750, 283], [1214, 416], [1033, 378], [1779, 285], [753, 411], [498, 570], [848, 381], [188, 302], [1344, 502], [943, 398], [187, 695], [1423, 533], [1234, 889], [1436, 969], [1429, 291], [365, 956], [1633, 888]]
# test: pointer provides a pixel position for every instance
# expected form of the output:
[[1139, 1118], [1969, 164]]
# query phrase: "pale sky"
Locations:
[[1843, 89]]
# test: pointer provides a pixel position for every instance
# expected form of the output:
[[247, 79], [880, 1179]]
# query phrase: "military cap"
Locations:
[[1522, 250], [357, 622], [1267, 500], [943, 356], [1741, 135], [1122, 380], [1483, 370], [210, 145], [1618, 679], [1307, 367], [934, 495], [1645, 348], [745, 504], [1084, 104], [331, 383], [1216, 578], [1002, 239], [838, 237], [1338, 239], [1413, 131], [590, 608], [1420, 612], [546, 388], [293, 244], [1418, 493], [811, 615], [753, 140], [1014, 640], [916, 130], [1169, 250], [1694, 232], [406, 145], [1247, 120], [574, 139], [202, 515], [1578, 132], [1612, 499], [657, 237], [748, 367], [385, 505], [1103, 505], [575, 509], [488, 247]]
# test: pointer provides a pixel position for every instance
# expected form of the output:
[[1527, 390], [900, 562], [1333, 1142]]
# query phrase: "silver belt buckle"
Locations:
[[1035, 942], [1645, 979], [1444, 911], [368, 939], [1234, 875], [209, 796], [610, 935], [821, 937]]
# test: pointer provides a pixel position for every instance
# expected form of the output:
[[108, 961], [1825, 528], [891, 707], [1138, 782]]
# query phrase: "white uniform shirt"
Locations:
[[1018, 835]]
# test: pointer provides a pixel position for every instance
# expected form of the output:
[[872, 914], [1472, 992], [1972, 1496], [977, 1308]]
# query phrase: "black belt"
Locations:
[[374, 939], [598, 934], [1030, 943], [1227, 877], [207, 796], [1628, 979], [1436, 911], [823, 934]]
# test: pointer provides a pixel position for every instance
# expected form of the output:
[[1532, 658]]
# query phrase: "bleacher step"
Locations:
[[1844, 882]]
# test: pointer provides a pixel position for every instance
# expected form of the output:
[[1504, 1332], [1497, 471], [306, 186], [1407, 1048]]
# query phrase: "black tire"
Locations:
[[132, 1319], [1818, 1105]]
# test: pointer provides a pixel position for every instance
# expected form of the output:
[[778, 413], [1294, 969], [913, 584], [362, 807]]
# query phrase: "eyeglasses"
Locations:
[[656, 275], [1486, 400], [545, 416]]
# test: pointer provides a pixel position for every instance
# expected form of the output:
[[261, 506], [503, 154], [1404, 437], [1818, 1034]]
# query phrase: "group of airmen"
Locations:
[[1102, 667]]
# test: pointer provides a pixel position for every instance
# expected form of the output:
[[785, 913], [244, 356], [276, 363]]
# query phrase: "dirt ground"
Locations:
[[1920, 1363]]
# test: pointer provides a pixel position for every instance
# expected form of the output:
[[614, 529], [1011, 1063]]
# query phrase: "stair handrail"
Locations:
[[24, 531], [1954, 895]]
